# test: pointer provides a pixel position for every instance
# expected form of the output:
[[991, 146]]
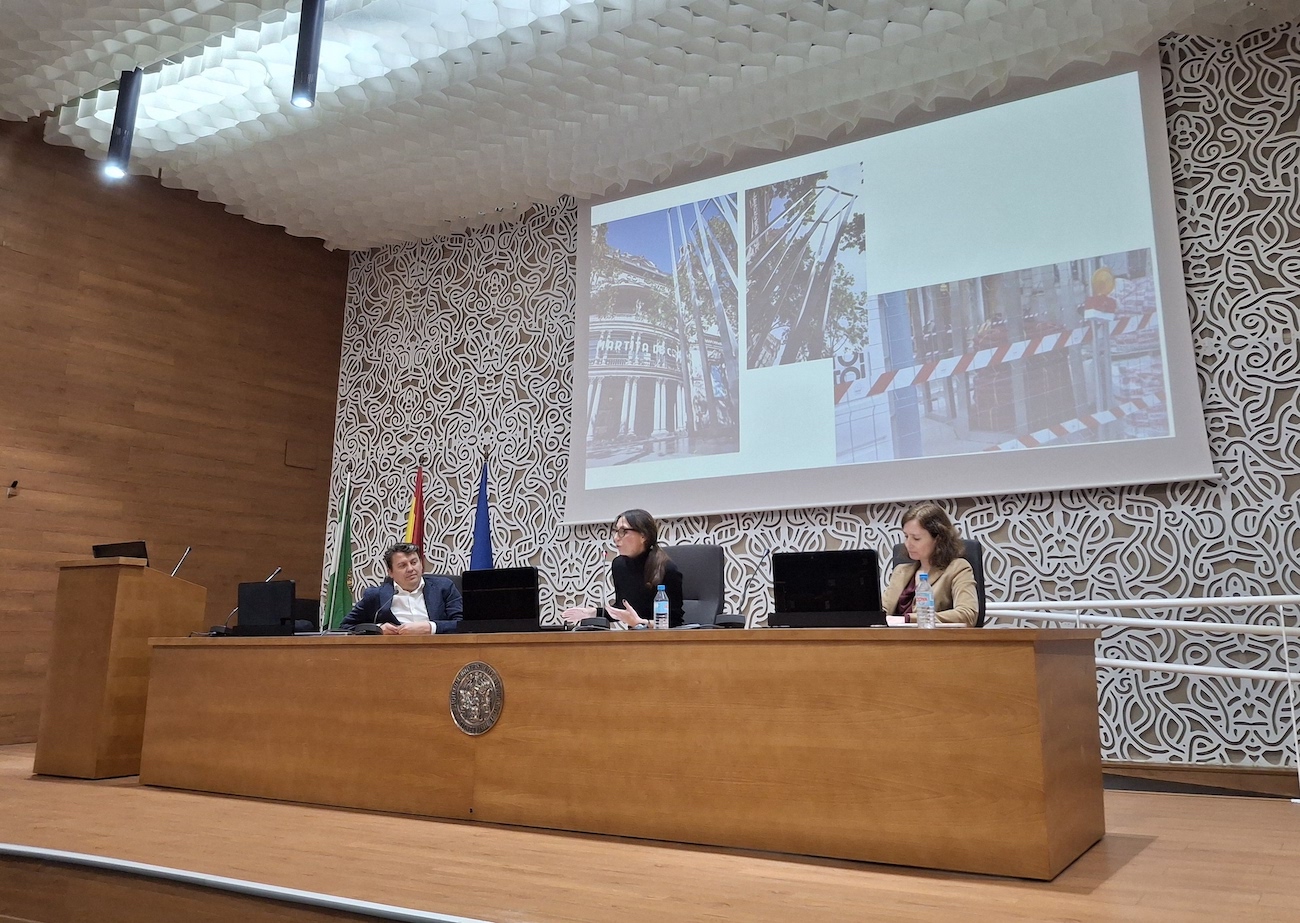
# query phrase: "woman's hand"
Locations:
[[576, 614], [627, 615]]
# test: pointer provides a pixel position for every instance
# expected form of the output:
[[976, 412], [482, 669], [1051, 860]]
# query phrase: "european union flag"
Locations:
[[480, 555]]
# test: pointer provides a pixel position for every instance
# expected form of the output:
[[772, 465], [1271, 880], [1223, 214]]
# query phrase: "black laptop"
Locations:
[[500, 599], [265, 609], [826, 589]]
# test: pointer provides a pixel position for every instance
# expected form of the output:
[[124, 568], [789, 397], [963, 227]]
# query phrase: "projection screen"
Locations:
[[984, 304]]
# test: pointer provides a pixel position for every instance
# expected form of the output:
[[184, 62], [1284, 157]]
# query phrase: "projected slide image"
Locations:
[[805, 283], [1066, 353], [970, 305], [662, 363]]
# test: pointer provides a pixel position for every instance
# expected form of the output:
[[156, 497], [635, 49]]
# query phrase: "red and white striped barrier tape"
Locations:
[[985, 358], [1091, 421]]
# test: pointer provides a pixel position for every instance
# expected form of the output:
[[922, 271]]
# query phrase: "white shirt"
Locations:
[[409, 608]]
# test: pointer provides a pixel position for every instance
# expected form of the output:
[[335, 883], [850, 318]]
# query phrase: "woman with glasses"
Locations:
[[641, 567]]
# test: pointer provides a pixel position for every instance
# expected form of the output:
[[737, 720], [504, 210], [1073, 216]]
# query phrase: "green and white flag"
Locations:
[[338, 592]]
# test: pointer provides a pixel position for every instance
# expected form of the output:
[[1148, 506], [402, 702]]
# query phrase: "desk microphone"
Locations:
[[188, 549]]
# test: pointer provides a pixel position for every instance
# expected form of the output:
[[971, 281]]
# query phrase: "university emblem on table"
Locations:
[[477, 695]]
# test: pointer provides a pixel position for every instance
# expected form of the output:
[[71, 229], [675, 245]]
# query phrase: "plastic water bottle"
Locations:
[[661, 607], [923, 607]]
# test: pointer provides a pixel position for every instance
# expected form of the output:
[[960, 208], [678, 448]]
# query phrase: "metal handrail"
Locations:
[[1051, 610], [1229, 628], [1191, 602]]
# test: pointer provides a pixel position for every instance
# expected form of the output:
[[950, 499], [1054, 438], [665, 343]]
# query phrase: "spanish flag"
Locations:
[[415, 518]]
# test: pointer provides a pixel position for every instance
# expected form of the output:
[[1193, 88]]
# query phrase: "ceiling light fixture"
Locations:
[[307, 64], [119, 142]]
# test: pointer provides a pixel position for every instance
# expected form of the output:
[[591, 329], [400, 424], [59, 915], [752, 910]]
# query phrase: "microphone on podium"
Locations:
[[188, 549]]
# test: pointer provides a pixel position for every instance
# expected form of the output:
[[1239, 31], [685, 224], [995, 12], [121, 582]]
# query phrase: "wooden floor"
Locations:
[[1165, 857]]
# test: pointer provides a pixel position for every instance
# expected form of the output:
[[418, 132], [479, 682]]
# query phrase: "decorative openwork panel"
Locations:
[[462, 345]]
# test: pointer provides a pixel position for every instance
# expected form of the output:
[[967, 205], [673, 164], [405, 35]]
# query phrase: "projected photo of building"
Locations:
[[805, 284], [1059, 354], [662, 363]]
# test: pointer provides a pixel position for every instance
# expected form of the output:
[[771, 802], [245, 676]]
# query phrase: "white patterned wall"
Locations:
[[461, 345]]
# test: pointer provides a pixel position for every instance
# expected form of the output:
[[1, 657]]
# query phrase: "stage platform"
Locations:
[[1164, 857]]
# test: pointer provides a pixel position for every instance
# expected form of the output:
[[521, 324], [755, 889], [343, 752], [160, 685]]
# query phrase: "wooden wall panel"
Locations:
[[156, 356]]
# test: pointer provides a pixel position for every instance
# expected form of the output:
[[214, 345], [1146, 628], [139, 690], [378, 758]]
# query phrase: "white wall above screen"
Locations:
[[988, 303]]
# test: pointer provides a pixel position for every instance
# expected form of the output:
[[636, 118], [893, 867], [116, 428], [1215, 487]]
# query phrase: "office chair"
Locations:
[[974, 555], [454, 578], [703, 584]]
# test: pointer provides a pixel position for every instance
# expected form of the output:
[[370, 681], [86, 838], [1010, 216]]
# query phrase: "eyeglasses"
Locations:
[[623, 532]]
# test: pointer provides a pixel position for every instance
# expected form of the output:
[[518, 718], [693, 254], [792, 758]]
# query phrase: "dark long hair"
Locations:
[[657, 559], [947, 543]]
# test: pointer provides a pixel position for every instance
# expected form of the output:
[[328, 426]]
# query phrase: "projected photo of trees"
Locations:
[[1059, 354], [662, 363], [804, 295]]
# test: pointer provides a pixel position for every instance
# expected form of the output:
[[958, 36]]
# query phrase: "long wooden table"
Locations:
[[951, 749]]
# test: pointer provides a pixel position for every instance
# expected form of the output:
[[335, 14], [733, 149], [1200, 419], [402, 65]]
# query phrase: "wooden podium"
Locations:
[[106, 610]]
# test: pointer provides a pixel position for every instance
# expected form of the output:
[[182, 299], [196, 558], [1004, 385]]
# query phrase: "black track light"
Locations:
[[308, 62], [119, 143]]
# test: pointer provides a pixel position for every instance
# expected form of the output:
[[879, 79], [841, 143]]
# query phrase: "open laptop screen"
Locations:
[[266, 608], [500, 599], [826, 589]]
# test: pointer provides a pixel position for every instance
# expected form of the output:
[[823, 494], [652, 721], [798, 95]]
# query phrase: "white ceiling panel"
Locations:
[[434, 116]]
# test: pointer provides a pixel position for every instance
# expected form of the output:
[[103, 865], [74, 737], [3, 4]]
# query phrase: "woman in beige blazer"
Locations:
[[935, 547]]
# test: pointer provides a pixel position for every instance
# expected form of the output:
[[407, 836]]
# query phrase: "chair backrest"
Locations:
[[703, 581], [454, 578], [974, 555]]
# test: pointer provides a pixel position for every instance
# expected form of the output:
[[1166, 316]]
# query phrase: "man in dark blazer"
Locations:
[[409, 602]]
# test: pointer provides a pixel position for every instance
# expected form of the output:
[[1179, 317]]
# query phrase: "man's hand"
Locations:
[[413, 628]]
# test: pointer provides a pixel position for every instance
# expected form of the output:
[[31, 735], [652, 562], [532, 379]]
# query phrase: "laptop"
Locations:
[[500, 599], [826, 589], [265, 609], [121, 550]]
